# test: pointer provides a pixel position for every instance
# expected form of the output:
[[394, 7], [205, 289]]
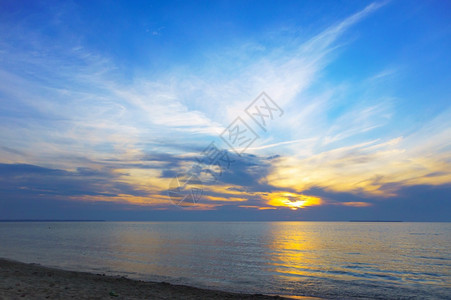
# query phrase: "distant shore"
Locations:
[[31, 281]]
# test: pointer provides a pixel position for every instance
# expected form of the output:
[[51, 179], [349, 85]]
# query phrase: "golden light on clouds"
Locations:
[[373, 169]]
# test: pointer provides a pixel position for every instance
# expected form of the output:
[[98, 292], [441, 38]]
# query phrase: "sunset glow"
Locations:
[[292, 201]]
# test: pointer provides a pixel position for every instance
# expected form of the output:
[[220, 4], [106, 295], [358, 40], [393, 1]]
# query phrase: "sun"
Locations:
[[294, 205], [292, 200]]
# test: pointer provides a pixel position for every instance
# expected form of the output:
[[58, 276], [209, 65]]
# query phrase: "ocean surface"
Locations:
[[334, 260]]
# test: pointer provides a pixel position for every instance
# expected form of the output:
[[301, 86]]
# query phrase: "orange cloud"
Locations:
[[355, 204], [257, 207]]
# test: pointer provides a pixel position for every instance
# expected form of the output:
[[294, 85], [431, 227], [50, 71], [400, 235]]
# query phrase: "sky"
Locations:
[[225, 110]]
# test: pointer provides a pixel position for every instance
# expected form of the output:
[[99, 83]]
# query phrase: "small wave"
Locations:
[[429, 257], [424, 233]]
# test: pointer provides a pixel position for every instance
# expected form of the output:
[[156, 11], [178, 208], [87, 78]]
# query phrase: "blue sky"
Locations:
[[104, 104]]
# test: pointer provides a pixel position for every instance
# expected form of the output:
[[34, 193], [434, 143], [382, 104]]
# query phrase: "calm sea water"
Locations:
[[330, 259]]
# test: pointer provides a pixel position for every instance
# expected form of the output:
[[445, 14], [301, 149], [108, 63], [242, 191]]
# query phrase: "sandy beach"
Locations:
[[32, 281]]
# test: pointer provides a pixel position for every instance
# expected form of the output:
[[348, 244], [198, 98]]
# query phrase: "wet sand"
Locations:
[[32, 281]]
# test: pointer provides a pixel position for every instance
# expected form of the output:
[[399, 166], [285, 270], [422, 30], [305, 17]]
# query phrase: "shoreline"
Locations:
[[20, 280]]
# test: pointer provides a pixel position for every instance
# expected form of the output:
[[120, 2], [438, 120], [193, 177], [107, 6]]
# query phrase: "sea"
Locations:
[[331, 260]]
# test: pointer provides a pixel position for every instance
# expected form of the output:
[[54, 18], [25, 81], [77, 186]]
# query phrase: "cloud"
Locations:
[[378, 168], [30, 180], [76, 129], [75, 103]]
